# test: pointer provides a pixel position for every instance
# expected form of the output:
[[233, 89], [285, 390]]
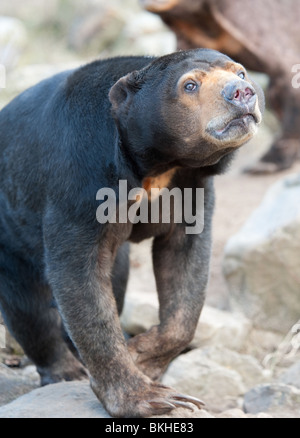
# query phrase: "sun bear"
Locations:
[[171, 122]]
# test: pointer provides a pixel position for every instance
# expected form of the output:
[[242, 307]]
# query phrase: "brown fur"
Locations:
[[223, 42]]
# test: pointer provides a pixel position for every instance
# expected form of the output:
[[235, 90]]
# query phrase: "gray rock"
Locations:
[[149, 34], [97, 26], [238, 413], [115, 28], [279, 399], [62, 400], [7, 343], [70, 400], [261, 343], [262, 261], [29, 75], [217, 375], [185, 413], [291, 376], [13, 384], [250, 370], [219, 327], [195, 374], [31, 10], [13, 39], [140, 313]]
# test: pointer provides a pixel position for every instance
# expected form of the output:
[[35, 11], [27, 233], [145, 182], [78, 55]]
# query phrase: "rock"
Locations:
[[215, 374], [114, 29], [291, 376], [261, 343], [139, 314], [96, 26], [70, 400], [29, 75], [13, 40], [219, 327], [149, 34], [233, 413], [282, 401], [16, 383], [250, 370], [7, 342], [185, 413], [12, 346], [61, 400], [31, 10], [24, 77], [140, 311], [195, 374], [262, 261], [238, 413]]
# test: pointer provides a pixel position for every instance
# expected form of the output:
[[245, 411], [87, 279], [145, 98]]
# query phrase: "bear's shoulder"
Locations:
[[102, 74]]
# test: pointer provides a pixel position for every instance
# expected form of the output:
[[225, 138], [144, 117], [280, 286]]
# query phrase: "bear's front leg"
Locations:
[[181, 267], [78, 268]]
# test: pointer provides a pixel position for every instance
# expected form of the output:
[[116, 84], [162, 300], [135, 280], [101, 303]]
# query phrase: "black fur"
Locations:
[[60, 143]]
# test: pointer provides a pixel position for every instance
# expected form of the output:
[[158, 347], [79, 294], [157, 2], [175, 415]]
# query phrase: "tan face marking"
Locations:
[[208, 105]]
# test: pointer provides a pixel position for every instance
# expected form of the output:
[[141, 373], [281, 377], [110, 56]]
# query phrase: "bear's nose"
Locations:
[[240, 94]]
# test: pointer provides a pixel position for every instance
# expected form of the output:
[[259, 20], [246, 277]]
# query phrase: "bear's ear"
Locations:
[[121, 93]]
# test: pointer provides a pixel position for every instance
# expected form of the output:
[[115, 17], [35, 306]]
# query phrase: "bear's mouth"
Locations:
[[243, 123], [234, 131]]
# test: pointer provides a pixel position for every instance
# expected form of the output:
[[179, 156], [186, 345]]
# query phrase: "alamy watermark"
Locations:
[[2, 76], [296, 77], [154, 206]]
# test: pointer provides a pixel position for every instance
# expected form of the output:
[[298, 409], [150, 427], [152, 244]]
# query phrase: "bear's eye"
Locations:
[[190, 86], [242, 75]]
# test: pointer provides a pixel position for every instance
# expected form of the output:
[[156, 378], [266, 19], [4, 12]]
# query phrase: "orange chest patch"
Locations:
[[158, 182]]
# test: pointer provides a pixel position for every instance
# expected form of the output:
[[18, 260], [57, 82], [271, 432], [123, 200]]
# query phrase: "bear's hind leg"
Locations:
[[26, 306]]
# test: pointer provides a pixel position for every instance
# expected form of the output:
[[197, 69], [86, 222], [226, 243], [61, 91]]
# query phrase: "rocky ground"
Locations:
[[239, 367]]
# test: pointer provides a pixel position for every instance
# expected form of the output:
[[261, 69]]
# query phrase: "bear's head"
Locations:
[[189, 109]]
